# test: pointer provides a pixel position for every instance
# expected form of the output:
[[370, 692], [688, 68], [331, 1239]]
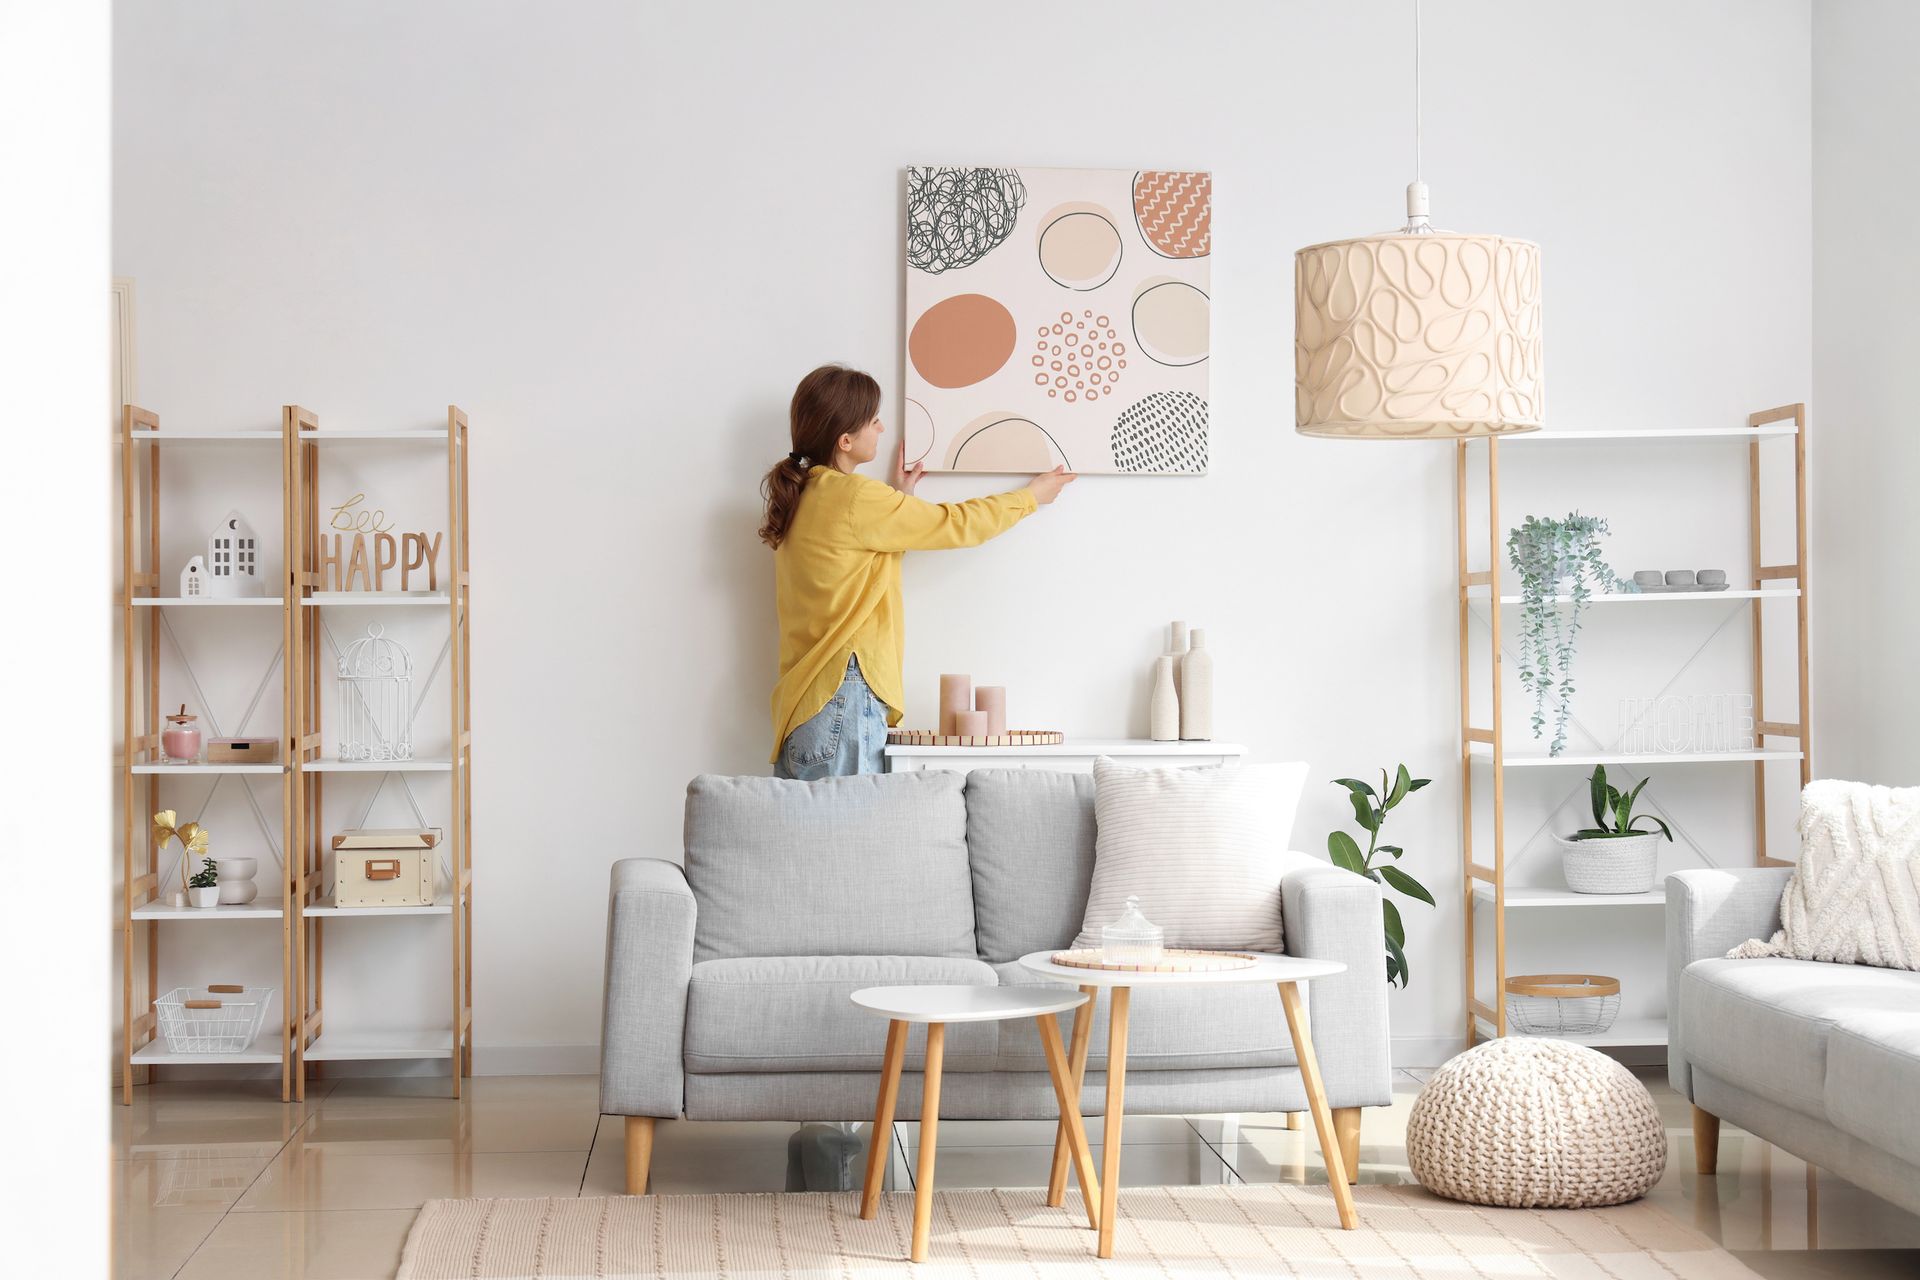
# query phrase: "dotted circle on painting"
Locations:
[[1083, 340], [1164, 433]]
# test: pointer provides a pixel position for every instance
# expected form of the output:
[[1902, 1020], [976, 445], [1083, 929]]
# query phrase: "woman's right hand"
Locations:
[[1047, 487]]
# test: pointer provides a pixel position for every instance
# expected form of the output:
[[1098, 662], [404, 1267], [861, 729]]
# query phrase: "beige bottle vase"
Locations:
[[1196, 690], [1177, 650], [1163, 713]]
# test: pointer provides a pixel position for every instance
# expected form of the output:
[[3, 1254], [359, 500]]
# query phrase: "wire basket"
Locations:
[[216, 1019], [1562, 1004]]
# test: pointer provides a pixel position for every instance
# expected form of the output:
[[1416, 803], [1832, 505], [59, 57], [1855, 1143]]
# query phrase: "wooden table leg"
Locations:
[[929, 1133], [1317, 1105], [1077, 1064], [880, 1141], [1116, 1109], [1069, 1099]]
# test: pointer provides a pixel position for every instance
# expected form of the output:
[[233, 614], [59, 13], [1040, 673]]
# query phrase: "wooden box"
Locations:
[[243, 751], [384, 868]]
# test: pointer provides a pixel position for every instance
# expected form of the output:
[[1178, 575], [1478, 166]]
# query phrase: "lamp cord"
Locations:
[[1417, 176]]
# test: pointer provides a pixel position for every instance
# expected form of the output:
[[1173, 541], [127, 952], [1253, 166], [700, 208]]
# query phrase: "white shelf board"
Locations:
[[1083, 747], [1658, 433], [1523, 897], [1625, 1033], [218, 437], [255, 910], [420, 433], [442, 905], [1484, 751], [357, 598], [378, 766], [367, 1046], [207, 602], [265, 1049], [1659, 597], [191, 769]]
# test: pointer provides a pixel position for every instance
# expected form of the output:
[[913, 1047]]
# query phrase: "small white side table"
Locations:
[[1075, 755], [936, 1006], [1286, 972]]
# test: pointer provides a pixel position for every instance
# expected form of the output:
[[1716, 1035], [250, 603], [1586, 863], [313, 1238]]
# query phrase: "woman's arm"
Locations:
[[886, 519]]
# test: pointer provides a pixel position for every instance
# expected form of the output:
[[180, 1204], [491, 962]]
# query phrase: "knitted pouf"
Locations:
[[1528, 1123]]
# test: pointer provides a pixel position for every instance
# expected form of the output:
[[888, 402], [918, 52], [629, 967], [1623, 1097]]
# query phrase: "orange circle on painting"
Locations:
[[961, 340]]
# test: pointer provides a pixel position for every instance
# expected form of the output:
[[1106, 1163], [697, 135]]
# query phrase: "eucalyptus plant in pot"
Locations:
[[1613, 855], [1558, 562]]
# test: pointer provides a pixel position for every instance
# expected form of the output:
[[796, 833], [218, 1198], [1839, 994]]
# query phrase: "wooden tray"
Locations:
[[1011, 738], [1173, 960]]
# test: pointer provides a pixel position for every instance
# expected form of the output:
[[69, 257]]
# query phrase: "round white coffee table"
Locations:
[[937, 1006], [1285, 972]]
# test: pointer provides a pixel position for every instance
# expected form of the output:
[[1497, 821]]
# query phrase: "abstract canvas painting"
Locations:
[[1058, 316]]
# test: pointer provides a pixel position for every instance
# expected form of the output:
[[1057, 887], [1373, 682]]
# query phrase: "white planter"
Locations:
[[236, 887], [204, 897], [1623, 864]]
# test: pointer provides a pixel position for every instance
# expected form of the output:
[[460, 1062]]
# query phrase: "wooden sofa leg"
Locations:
[[1293, 1121], [639, 1153], [1706, 1141], [1346, 1127]]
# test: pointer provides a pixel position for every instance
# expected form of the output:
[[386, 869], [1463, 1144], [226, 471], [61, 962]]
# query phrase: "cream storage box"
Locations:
[[384, 867]]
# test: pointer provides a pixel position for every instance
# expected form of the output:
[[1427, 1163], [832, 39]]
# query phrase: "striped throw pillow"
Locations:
[[1202, 849]]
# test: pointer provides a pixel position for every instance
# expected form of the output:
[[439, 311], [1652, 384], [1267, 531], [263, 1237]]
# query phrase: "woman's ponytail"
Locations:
[[829, 402]]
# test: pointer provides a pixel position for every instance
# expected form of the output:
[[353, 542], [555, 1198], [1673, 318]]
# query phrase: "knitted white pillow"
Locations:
[[1203, 850]]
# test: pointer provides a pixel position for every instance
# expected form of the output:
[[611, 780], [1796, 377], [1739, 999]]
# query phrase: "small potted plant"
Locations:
[[204, 889], [1612, 856]]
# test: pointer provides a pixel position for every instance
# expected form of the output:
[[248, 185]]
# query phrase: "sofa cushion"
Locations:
[[792, 1013], [869, 865], [1873, 1059], [1765, 1024], [1168, 1028], [1030, 841]]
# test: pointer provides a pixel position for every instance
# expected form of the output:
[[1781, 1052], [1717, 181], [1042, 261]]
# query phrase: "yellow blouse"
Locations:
[[837, 583]]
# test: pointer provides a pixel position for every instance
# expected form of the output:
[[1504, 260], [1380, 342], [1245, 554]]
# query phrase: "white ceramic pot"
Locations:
[[236, 885], [1618, 864], [204, 897]]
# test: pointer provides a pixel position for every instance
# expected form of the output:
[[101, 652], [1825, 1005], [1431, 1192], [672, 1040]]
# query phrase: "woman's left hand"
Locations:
[[906, 477]]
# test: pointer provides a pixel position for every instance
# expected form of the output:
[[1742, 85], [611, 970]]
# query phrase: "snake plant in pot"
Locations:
[[1613, 855]]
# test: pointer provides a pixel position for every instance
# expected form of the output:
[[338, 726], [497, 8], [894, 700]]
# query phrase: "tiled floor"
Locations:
[[222, 1180]]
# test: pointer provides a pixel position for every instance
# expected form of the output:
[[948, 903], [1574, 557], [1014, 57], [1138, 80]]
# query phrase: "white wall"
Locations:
[[1865, 106], [617, 233]]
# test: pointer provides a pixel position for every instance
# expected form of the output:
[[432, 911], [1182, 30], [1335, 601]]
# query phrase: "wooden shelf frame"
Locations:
[[140, 766], [1487, 746], [311, 1044]]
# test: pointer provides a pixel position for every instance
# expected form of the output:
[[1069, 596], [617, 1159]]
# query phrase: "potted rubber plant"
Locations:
[[1613, 855], [204, 889], [1370, 811]]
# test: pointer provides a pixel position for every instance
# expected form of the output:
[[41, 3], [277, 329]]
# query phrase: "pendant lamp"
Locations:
[[1417, 333]]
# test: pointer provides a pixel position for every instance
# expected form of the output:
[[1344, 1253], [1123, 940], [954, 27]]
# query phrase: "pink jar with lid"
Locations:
[[180, 740]]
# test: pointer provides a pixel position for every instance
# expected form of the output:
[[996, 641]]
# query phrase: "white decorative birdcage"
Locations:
[[376, 699]]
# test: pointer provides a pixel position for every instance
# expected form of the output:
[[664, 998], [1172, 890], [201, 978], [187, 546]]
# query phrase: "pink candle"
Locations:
[[970, 724], [992, 699], [955, 693], [180, 740]]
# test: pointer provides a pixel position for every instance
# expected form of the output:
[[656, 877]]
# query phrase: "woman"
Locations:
[[837, 538]]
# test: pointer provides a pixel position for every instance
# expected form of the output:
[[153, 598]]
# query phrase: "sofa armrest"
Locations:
[[643, 1018], [1328, 913], [1710, 911]]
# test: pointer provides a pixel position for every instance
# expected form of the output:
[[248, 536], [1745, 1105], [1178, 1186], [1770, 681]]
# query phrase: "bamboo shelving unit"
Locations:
[[298, 1037], [1486, 746]]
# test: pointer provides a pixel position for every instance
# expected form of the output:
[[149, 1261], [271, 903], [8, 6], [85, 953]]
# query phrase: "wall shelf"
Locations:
[[269, 1049], [325, 910], [317, 599], [140, 435], [208, 602], [1477, 592], [427, 434], [255, 910], [157, 769], [377, 766], [373, 1046]]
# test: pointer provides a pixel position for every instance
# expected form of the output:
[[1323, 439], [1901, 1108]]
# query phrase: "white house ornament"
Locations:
[[233, 559], [193, 579]]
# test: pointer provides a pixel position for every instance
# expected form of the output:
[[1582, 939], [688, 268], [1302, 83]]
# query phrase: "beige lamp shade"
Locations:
[[1408, 335]]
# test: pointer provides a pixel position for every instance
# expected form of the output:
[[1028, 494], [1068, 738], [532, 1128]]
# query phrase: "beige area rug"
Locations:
[[991, 1235]]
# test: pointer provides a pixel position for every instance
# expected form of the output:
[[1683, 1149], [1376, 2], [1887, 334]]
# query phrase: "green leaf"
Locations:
[[1395, 930], [1399, 792], [1407, 885], [1418, 783], [1647, 817], [1353, 784], [1346, 853], [1364, 814], [1396, 958], [1393, 849], [1597, 789], [1622, 812], [1635, 793]]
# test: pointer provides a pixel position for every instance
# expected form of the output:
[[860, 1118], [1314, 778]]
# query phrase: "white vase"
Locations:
[[1163, 716], [203, 896], [236, 885], [1196, 690], [1177, 649], [1617, 864]]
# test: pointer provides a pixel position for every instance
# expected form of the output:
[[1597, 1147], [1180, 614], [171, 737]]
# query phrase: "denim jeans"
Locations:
[[848, 735]]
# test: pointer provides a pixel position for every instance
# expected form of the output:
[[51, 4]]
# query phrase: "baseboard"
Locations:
[[536, 1059]]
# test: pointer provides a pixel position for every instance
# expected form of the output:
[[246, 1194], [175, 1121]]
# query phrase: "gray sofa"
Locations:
[[1821, 1059], [727, 980]]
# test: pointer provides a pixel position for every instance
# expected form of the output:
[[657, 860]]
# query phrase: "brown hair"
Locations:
[[830, 402]]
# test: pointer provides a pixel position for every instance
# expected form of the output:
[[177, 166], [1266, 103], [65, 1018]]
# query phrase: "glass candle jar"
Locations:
[[180, 740], [1132, 939]]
